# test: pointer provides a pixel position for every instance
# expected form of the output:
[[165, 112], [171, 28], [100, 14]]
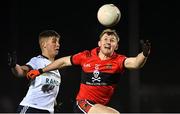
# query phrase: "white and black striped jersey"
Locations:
[[44, 89]]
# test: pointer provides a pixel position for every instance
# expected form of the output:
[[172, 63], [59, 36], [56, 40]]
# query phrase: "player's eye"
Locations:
[[112, 40]]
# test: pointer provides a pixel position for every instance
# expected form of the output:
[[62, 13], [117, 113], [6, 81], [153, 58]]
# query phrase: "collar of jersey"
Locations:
[[45, 57]]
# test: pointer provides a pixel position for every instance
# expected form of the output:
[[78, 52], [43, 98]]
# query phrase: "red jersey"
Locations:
[[99, 77]]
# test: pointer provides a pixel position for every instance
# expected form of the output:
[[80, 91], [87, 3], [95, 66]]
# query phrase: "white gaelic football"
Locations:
[[108, 15]]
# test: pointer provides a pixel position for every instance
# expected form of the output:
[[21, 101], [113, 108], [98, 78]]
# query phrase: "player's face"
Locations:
[[53, 46], [108, 43]]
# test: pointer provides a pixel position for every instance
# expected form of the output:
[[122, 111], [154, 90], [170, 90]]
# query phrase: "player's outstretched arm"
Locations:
[[139, 61], [57, 64]]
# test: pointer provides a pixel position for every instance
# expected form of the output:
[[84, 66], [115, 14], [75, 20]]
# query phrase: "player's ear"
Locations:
[[99, 43], [43, 44], [117, 47]]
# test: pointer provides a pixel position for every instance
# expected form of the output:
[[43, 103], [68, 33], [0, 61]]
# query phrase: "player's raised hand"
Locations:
[[146, 47], [34, 73], [12, 59]]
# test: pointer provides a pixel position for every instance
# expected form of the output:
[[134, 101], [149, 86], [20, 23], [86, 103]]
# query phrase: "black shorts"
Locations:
[[83, 106], [27, 109]]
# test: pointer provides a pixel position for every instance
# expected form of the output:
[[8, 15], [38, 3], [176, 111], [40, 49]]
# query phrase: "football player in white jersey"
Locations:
[[43, 90]]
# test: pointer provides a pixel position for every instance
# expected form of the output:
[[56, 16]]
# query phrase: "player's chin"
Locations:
[[107, 52], [56, 52]]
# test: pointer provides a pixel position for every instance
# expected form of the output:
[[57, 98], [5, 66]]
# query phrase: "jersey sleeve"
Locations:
[[78, 58], [32, 63], [121, 61]]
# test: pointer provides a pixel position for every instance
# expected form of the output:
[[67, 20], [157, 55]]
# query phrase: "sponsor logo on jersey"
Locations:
[[87, 65], [109, 66], [52, 82]]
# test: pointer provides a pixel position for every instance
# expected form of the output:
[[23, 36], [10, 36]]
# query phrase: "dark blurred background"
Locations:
[[154, 88]]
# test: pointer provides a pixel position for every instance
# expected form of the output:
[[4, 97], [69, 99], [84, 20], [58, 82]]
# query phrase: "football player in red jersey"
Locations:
[[101, 70]]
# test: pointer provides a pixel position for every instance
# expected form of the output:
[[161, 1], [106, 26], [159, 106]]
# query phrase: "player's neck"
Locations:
[[48, 57], [103, 56]]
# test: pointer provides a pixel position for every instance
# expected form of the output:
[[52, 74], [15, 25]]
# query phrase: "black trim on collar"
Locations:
[[45, 57]]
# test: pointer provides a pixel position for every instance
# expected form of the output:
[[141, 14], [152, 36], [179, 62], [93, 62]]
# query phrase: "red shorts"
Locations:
[[84, 106]]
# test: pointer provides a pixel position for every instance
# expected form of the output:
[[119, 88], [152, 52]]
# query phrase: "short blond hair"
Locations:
[[110, 31]]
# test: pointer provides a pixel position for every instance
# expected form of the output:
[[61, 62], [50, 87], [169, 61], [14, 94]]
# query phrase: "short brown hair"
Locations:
[[46, 34], [110, 31], [49, 33]]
